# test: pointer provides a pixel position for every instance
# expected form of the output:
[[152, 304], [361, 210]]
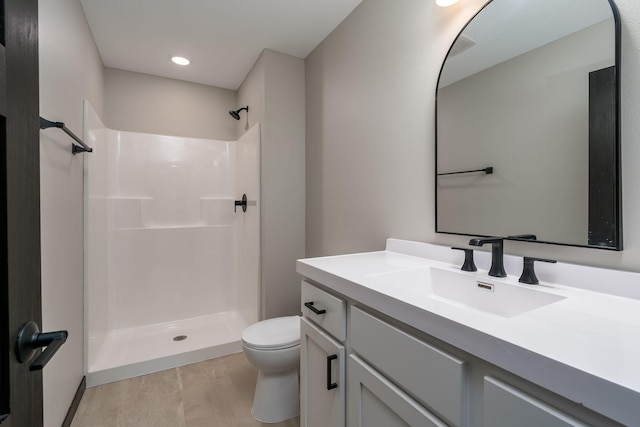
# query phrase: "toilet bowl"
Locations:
[[273, 347]]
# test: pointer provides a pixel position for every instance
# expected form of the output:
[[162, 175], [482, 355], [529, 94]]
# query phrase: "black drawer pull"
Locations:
[[311, 307], [330, 385]]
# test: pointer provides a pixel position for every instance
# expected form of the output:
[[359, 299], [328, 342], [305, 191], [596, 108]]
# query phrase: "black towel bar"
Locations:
[[487, 170], [75, 149]]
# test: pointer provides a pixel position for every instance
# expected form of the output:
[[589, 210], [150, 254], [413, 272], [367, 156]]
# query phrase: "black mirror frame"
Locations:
[[618, 246]]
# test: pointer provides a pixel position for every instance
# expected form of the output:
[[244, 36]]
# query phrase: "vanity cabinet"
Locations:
[[392, 377], [363, 369], [322, 358]]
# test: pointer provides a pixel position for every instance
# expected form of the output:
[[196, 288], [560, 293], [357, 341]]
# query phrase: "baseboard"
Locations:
[[75, 403]]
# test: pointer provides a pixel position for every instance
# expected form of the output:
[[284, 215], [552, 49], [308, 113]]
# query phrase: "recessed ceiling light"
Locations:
[[180, 60], [445, 3]]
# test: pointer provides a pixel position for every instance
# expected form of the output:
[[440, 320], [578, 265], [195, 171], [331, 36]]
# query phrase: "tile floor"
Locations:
[[213, 393]]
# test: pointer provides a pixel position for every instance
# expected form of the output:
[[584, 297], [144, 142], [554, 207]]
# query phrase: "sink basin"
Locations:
[[469, 290]]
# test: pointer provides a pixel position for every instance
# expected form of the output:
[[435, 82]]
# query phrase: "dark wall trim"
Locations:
[[75, 403]]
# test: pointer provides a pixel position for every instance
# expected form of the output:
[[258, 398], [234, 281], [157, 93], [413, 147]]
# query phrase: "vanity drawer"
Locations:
[[324, 309], [430, 375]]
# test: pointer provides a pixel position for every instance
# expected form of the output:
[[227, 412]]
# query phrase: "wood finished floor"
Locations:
[[213, 393]]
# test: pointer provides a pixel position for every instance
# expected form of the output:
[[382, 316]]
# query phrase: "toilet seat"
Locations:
[[273, 334]]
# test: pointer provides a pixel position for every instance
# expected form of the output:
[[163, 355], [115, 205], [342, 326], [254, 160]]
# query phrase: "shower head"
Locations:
[[236, 113]]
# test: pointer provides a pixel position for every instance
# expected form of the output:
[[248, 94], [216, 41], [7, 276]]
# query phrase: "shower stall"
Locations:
[[172, 264]]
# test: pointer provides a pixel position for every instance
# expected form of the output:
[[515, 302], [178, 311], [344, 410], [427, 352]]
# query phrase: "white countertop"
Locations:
[[585, 347]]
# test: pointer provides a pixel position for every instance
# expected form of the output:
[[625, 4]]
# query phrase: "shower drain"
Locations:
[[180, 338]]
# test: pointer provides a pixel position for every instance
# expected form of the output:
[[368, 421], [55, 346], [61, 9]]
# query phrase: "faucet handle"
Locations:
[[523, 237], [528, 272], [480, 241], [468, 265]]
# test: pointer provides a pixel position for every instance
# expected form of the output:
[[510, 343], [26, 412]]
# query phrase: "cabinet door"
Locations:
[[322, 374], [376, 402], [436, 379], [506, 406]]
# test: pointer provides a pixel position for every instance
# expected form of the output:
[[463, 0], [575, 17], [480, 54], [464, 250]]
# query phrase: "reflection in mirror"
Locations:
[[530, 89]]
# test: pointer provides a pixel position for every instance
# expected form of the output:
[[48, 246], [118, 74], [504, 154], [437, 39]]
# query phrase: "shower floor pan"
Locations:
[[129, 353]]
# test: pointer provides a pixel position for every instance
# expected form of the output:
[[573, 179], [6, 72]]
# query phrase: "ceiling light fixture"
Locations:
[[445, 3], [180, 60]]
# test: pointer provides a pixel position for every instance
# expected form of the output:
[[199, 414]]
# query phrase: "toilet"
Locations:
[[273, 347]]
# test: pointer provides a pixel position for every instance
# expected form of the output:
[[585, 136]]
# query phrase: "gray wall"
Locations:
[[275, 91], [142, 103], [370, 88], [370, 131], [66, 47]]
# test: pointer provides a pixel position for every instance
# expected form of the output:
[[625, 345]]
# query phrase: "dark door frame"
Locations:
[[20, 297]]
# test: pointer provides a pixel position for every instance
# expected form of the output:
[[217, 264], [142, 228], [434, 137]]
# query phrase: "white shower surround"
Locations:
[[166, 254]]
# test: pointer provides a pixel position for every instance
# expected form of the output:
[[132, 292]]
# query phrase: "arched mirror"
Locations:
[[527, 139]]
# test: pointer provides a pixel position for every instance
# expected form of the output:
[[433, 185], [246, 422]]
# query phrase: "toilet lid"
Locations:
[[273, 333]]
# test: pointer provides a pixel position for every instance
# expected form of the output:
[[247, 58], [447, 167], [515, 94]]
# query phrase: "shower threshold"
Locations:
[[132, 352]]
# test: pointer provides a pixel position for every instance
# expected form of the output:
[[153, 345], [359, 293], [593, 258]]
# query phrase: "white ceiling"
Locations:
[[222, 38]]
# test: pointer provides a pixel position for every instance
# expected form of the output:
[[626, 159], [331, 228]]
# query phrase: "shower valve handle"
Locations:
[[242, 203]]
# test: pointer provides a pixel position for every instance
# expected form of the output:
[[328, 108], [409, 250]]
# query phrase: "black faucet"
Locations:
[[497, 264]]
